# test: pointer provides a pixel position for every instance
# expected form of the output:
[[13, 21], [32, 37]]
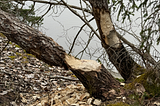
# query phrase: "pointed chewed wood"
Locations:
[[94, 76], [85, 65]]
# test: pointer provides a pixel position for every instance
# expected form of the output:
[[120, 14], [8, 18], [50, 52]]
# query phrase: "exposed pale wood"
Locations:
[[94, 76], [108, 33], [85, 65], [117, 53]]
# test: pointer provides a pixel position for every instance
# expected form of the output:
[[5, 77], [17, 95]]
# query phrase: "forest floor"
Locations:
[[27, 81]]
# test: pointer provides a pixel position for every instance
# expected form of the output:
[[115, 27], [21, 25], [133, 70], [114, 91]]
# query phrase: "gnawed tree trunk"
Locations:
[[117, 53], [94, 76], [96, 79]]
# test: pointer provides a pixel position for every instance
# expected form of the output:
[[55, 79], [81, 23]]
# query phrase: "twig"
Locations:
[[83, 10], [43, 14], [58, 3], [82, 51], [74, 12], [62, 77], [77, 36], [134, 35], [146, 56]]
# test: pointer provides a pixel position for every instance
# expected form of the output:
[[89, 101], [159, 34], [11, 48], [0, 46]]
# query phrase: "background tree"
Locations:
[[26, 15], [111, 40]]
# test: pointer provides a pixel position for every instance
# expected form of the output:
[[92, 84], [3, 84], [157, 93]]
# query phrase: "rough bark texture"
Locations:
[[117, 53], [99, 3], [121, 59], [97, 82], [33, 41], [96, 79], [94, 76]]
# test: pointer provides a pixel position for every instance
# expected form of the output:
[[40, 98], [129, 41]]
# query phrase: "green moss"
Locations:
[[132, 96], [18, 54], [17, 46], [24, 57], [10, 42], [148, 80], [25, 61], [120, 80], [139, 70], [31, 55], [118, 104], [5, 49], [138, 100], [24, 50], [12, 57], [73, 76], [136, 104], [2, 35]]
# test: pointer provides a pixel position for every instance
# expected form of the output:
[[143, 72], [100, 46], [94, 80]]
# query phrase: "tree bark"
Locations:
[[117, 53], [95, 78]]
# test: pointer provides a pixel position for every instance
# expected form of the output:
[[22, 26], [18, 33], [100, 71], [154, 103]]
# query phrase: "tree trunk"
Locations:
[[94, 76], [117, 53], [96, 79]]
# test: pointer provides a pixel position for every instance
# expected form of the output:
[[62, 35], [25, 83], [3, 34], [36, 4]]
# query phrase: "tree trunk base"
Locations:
[[97, 80]]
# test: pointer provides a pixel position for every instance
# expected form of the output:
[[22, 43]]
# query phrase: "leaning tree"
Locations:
[[93, 75]]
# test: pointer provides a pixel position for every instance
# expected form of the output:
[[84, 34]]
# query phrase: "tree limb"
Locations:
[[77, 36], [81, 19], [146, 56], [58, 3], [94, 76]]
